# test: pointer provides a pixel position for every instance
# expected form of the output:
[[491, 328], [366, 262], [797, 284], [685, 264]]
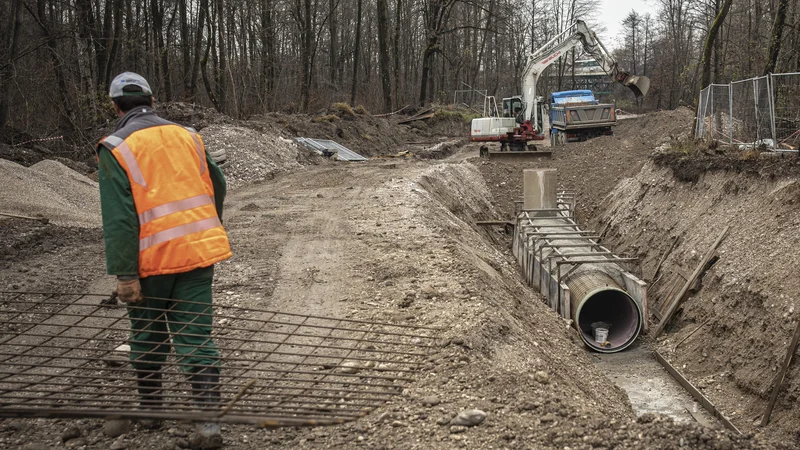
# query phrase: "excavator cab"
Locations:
[[513, 107]]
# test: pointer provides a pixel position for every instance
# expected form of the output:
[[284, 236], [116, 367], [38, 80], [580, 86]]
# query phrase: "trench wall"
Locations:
[[749, 296]]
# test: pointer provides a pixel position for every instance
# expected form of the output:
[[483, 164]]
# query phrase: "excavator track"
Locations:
[[511, 155]]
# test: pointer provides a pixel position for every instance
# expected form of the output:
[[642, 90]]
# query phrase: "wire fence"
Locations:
[[757, 112]]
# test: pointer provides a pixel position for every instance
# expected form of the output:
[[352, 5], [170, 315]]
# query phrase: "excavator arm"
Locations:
[[576, 34]]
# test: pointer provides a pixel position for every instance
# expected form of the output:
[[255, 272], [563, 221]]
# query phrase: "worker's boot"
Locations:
[[151, 396], [205, 391]]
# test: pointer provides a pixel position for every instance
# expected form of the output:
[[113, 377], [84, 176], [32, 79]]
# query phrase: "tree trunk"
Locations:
[[186, 50], [333, 59], [396, 52], [383, 51], [222, 73], [427, 58], [306, 41], [777, 34], [11, 41], [198, 43], [356, 51], [712, 35], [267, 52]]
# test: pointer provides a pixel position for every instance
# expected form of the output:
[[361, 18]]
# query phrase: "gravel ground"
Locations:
[[52, 190]]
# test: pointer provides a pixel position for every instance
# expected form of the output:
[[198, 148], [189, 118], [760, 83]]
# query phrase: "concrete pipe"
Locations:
[[597, 298]]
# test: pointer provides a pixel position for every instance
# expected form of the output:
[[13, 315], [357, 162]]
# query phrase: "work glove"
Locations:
[[129, 291]]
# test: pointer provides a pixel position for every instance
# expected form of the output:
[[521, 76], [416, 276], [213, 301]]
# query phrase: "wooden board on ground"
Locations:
[[679, 298]]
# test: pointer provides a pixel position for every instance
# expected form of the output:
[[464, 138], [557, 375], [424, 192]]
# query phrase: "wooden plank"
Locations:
[[693, 332], [694, 392], [680, 298], [673, 286], [44, 220], [664, 257], [781, 375]]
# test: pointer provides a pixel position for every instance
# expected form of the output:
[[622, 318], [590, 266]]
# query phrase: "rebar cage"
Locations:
[[67, 355]]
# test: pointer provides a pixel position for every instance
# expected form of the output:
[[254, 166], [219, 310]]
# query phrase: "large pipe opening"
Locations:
[[615, 308]]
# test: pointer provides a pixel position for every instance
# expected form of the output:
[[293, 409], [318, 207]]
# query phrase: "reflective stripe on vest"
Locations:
[[199, 149], [179, 231], [176, 206], [133, 166]]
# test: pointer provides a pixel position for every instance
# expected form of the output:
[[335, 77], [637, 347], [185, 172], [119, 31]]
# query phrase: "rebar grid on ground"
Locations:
[[65, 355]]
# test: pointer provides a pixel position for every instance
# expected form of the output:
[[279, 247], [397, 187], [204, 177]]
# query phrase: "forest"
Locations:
[[250, 57]]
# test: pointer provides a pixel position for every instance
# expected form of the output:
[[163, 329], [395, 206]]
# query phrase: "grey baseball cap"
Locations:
[[129, 79]]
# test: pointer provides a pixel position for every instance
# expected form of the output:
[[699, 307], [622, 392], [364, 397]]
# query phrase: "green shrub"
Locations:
[[360, 110]]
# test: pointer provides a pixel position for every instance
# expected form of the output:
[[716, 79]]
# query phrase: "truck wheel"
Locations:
[[484, 153]]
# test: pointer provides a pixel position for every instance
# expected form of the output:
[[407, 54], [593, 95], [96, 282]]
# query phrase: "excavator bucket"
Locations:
[[639, 84]]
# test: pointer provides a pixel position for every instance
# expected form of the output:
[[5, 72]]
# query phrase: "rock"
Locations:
[[431, 400], [542, 377], [76, 443], [37, 446], [182, 443], [455, 429], [443, 420], [124, 348], [398, 424], [119, 444], [350, 367], [469, 418], [117, 427], [547, 418], [71, 433], [198, 441]]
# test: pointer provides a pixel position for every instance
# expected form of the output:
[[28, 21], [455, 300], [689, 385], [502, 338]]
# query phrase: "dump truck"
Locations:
[[516, 133], [577, 116]]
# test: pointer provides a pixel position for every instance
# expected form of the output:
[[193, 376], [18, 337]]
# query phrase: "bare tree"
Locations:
[[777, 33]]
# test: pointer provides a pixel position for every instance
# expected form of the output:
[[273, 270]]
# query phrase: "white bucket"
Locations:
[[600, 335]]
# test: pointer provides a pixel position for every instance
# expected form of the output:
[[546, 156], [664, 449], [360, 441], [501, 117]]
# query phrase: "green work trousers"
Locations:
[[188, 321]]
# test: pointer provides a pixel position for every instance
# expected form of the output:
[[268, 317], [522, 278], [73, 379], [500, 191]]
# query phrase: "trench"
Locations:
[[649, 387]]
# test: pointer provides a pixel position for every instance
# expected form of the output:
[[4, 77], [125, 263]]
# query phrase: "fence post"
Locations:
[[771, 96], [730, 112], [755, 107]]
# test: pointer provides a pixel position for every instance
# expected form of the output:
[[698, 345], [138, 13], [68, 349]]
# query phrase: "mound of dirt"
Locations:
[[252, 156], [50, 189], [690, 167]]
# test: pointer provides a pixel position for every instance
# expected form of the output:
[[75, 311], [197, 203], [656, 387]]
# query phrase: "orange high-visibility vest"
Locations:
[[179, 229]]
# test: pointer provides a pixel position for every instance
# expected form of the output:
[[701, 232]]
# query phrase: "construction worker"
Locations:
[[161, 197]]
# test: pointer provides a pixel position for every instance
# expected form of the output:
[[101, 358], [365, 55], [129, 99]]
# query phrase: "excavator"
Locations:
[[521, 120]]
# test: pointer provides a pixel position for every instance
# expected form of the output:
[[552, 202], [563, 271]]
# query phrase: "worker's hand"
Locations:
[[129, 291]]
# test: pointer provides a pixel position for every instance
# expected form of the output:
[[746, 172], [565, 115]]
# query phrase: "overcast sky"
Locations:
[[613, 11]]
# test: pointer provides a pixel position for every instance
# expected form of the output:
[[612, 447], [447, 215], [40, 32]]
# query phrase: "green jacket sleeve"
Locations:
[[218, 181], [120, 221]]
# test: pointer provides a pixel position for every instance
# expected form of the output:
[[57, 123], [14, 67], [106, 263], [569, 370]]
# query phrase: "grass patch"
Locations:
[[343, 109], [327, 118]]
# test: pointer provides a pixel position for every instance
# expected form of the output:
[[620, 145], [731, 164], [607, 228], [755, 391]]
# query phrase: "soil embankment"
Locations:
[[747, 300]]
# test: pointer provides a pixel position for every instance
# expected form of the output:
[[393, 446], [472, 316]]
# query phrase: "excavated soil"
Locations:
[[396, 241]]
